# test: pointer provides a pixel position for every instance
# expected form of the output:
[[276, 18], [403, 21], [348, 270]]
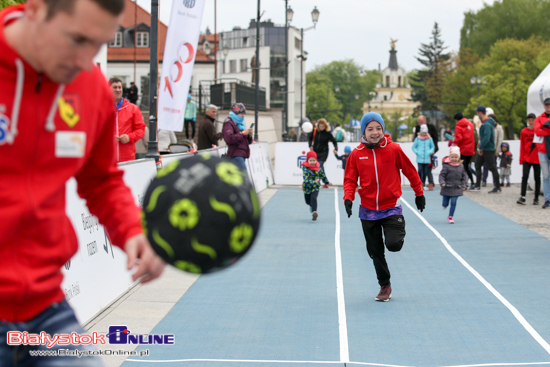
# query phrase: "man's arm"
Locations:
[[540, 130], [138, 126], [229, 135]]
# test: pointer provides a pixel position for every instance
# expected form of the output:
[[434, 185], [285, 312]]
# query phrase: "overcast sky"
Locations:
[[349, 29]]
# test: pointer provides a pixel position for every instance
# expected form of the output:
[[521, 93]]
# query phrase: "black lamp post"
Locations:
[[288, 18], [152, 150]]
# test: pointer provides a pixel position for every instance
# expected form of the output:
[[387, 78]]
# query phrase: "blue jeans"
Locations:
[[545, 168], [239, 162], [423, 170], [453, 200], [59, 318]]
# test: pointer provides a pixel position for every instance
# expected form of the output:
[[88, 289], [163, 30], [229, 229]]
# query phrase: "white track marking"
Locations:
[[342, 323], [504, 301]]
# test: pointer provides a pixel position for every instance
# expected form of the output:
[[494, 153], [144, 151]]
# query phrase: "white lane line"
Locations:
[[504, 301], [342, 323]]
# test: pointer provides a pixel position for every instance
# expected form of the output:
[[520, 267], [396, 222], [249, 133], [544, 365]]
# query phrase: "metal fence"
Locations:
[[224, 92]]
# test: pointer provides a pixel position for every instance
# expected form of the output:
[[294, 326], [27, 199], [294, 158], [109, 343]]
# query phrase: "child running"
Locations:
[[377, 162], [312, 174], [453, 180], [505, 164]]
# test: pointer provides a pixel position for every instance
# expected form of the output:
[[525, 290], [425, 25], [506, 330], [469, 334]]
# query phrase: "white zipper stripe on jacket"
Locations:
[[377, 183], [50, 125], [16, 101], [117, 143]]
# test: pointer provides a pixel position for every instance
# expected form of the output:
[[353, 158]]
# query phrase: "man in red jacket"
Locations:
[[542, 131], [529, 157], [377, 163], [56, 122], [129, 123], [464, 139]]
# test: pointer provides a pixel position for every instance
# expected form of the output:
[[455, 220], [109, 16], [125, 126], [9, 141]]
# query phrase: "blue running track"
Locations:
[[476, 293]]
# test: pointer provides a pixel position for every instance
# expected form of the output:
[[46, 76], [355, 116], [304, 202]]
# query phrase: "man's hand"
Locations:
[[420, 202], [496, 154], [442, 185], [124, 139], [348, 204], [310, 148], [480, 152], [140, 253]]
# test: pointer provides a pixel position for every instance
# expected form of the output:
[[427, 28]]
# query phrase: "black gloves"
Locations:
[[420, 202], [348, 205]]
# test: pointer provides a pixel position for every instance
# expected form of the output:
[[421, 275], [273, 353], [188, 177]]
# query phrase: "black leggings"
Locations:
[[525, 178], [186, 124], [311, 200], [466, 159], [393, 228]]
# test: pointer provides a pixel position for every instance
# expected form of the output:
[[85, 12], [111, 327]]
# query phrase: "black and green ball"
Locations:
[[201, 214]]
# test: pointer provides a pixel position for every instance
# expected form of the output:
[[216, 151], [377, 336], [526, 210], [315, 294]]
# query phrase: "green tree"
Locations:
[[427, 83], [458, 90], [517, 19], [341, 79], [4, 3], [508, 71]]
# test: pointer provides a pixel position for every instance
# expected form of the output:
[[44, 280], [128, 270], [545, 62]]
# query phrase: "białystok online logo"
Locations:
[[118, 334], [189, 3]]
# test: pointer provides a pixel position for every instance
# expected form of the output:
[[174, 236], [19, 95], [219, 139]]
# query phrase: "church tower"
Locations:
[[393, 91]]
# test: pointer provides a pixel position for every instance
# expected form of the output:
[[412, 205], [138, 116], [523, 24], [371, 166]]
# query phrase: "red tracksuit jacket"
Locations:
[[129, 121], [464, 137], [541, 132], [525, 141], [48, 134], [378, 171]]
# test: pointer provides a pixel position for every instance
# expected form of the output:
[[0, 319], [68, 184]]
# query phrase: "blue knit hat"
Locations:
[[238, 108], [371, 116], [347, 149]]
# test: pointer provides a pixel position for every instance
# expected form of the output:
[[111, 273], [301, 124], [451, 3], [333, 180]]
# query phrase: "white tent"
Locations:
[[538, 91]]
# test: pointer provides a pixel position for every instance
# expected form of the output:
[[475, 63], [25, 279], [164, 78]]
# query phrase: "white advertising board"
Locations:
[[96, 275], [290, 156]]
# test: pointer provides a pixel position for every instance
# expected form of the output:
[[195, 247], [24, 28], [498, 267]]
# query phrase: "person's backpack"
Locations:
[[339, 135]]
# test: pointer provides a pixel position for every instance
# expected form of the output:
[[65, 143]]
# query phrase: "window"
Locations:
[[117, 41], [244, 65], [245, 41], [399, 81], [386, 97], [232, 66], [387, 81], [142, 39], [297, 43]]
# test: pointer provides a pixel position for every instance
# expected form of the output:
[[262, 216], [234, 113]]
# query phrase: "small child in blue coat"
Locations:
[[312, 174], [423, 147], [344, 158]]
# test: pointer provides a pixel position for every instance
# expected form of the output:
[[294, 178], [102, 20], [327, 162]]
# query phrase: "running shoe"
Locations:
[[431, 187], [508, 185], [483, 184], [314, 216], [385, 294], [495, 191], [521, 201], [536, 202], [451, 221], [546, 204], [474, 188]]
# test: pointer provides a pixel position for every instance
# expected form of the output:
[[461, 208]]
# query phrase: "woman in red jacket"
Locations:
[[464, 139], [377, 163]]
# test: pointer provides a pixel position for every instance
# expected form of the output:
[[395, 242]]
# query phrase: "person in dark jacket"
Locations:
[[318, 142], [432, 130], [486, 150], [237, 136], [453, 180], [207, 136]]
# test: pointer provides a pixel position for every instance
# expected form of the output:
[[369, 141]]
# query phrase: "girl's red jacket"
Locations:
[[464, 137], [378, 172], [48, 134], [527, 153]]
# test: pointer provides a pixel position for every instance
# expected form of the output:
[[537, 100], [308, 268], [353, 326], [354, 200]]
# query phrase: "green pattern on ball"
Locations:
[[254, 199], [223, 208], [171, 167], [187, 266], [143, 223], [154, 198], [184, 214], [230, 174], [162, 243], [203, 249], [240, 238]]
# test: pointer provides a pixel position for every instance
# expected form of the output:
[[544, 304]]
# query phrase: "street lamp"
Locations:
[[476, 82]]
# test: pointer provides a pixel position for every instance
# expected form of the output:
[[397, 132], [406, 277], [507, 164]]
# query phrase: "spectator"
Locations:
[[133, 93], [505, 164], [292, 135], [486, 150], [129, 124], [190, 117], [165, 138], [432, 130], [499, 138], [207, 136], [542, 131], [464, 139], [423, 147], [319, 140], [529, 157], [237, 136], [68, 115], [124, 91], [339, 134]]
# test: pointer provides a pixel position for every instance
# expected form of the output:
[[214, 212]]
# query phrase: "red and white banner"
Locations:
[[179, 58]]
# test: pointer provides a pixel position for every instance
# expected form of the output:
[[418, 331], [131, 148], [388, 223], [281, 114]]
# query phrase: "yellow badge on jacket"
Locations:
[[68, 113]]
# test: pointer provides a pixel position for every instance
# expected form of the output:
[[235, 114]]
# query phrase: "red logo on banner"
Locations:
[[185, 56]]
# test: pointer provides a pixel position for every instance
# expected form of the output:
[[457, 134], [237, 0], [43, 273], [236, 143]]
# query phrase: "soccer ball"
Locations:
[[201, 214], [307, 127]]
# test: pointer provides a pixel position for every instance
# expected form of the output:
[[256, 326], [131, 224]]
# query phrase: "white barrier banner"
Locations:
[[96, 275], [179, 58], [290, 156]]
